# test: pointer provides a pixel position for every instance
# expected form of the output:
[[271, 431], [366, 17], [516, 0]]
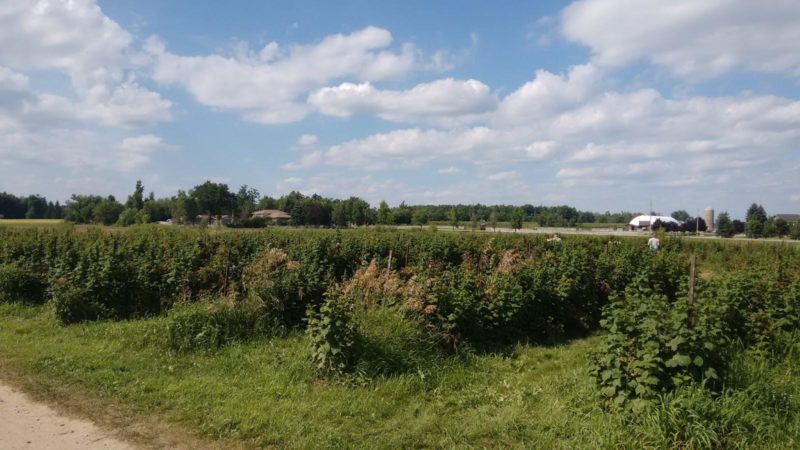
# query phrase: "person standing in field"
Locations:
[[653, 242]]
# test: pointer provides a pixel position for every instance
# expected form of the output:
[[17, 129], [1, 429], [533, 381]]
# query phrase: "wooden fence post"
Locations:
[[692, 270]]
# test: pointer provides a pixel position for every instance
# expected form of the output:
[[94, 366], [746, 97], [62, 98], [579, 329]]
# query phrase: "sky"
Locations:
[[599, 104]]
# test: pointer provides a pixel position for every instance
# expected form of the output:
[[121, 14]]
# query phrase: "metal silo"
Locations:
[[708, 216]]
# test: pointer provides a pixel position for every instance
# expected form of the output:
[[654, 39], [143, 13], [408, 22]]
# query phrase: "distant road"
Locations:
[[596, 232]]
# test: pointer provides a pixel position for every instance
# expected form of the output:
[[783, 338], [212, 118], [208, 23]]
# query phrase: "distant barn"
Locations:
[[645, 222]]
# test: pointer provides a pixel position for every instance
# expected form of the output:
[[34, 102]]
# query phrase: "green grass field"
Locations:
[[404, 390], [263, 393]]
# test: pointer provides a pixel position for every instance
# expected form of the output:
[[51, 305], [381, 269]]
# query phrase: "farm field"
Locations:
[[30, 222], [382, 338]]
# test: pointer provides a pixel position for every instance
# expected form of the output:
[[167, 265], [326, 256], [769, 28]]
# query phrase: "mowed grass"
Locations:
[[263, 392]]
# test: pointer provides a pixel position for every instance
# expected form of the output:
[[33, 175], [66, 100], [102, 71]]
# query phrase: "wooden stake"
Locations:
[[389, 265], [692, 269]]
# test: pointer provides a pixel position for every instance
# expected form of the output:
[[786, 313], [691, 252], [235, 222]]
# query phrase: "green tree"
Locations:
[[136, 200], [214, 198], [402, 215], [681, 215], [127, 217], [80, 208], [452, 217], [473, 221], [339, 214], [384, 213], [781, 227], [754, 221], [725, 226], [184, 208], [246, 200], [493, 220], [107, 211], [516, 219], [420, 216], [794, 231]]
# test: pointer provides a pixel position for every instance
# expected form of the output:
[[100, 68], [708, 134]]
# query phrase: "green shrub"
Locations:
[[758, 305], [391, 343], [333, 337], [18, 283], [73, 303], [205, 326], [287, 288], [654, 345]]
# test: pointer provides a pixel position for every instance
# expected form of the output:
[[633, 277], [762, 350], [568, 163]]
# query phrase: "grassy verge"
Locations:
[[263, 392]]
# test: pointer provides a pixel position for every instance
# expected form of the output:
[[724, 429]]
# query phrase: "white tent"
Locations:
[[646, 221]]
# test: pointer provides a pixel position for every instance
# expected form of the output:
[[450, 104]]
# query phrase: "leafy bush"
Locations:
[[18, 283], [655, 345], [333, 337], [758, 305], [287, 288], [391, 343], [215, 324], [73, 303]]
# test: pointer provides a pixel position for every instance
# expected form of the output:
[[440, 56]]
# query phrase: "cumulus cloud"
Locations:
[[75, 38], [265, 85], [697, 39], [440, 101], [598, 135], [503, 176], [84, 126], [549, 94], [307, 140], [449, 170], [308, 160], [134, 152]]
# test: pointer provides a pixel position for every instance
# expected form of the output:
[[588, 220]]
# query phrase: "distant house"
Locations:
[[274, 214], [645, 222], [788, 217]]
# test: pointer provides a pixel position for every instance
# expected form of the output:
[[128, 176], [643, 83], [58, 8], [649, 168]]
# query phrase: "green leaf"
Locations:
[[679, 361]]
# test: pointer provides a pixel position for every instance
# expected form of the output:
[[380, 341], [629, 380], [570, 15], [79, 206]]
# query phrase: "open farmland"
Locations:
[[321, 338]]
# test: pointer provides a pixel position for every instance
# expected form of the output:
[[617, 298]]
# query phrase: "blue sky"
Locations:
[[600, 104]]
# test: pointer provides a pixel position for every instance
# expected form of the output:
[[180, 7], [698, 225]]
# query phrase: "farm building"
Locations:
[[274, 214], [644, 222]]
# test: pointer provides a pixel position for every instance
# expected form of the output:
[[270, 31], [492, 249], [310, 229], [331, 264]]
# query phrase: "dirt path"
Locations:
[[26, 424]]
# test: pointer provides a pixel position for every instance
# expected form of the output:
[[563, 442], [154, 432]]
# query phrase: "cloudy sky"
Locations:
[[600, 104]]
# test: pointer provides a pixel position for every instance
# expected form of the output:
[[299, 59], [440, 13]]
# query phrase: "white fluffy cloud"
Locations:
[[503, 176], [595, 136], [550, 94], [134, 152], [441, 101], [265, 85], [83, 127], [307, 140], [75, 38], [697, 39]]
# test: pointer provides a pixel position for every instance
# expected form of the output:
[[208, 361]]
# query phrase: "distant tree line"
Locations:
[[757, 224], [30, 207], [212, 201]]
